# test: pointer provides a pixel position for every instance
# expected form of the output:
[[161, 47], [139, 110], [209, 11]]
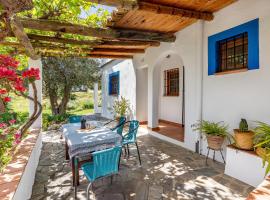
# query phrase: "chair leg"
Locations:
[[111, 179], [87, 191], [128, 150], [125, 151], [138, 153]]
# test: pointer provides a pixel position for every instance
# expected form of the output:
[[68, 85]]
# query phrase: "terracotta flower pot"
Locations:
[[215, 142], [261, 152], [244, 140]]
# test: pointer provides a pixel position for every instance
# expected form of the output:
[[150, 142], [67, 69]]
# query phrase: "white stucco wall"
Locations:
[[243, 95], [141, 94], [127, 85], [24, 189]]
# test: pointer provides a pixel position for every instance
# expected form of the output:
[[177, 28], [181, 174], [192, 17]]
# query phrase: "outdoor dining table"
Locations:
[[81, 143]]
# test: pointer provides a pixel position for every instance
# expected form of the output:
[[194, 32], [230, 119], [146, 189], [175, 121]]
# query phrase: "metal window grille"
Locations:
[[171, 82], [114, 85], [233, 53]]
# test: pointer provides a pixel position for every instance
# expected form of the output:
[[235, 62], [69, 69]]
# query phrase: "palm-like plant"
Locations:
[[262, 140], [211, 128]]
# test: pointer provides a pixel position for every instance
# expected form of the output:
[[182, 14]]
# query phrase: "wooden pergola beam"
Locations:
[[127, 4], [46, 54], [63, 40], [127, 44], [162, 9], [117, 51], [110, 56], [96, 43], [45, 47], [46, 25]]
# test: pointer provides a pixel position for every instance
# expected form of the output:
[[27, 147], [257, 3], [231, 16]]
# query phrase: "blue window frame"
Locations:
[[114, 83], [251, 29]]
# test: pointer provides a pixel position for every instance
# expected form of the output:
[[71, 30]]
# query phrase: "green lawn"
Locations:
[[82, 104]]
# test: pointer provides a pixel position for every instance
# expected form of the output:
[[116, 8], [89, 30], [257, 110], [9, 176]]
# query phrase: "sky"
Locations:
[[94, 10]]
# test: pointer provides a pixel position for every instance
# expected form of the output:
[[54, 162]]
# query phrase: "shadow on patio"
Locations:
[[167, 172]]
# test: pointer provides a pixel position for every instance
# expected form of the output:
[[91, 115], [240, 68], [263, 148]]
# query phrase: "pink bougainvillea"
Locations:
[[13, 80]]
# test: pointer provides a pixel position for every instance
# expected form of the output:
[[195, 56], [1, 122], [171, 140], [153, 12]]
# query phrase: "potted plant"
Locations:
[[121, 108], [215, 133], [262, 143], [243, 137]]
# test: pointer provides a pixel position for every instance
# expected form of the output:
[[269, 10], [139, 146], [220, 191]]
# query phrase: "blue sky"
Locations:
[[94, 10]]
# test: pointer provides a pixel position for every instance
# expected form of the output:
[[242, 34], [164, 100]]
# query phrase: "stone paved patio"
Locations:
[[167, 172]]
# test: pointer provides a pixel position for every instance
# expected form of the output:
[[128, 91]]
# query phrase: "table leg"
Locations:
[[75, 172], [66, 151]]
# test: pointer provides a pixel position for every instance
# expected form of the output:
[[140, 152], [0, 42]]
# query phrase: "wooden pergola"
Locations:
[[134, 26]]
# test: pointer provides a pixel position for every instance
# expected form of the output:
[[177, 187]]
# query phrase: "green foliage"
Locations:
[[262, 135], [61, 75], [262, 139], [75, 11], [243, 125], [121, 107], [211, 128], [6, 143], [48, 120], [88, 105]]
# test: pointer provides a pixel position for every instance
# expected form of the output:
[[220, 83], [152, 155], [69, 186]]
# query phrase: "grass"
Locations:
[[76, 106]]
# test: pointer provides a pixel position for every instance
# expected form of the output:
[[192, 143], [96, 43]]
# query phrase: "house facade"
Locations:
[[220, 69]]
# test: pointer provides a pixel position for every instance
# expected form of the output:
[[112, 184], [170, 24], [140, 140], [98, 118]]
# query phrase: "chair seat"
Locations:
[[127, 141], [88, 169]]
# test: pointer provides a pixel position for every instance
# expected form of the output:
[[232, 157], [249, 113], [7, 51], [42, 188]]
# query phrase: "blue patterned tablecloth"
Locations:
[[81, 142]]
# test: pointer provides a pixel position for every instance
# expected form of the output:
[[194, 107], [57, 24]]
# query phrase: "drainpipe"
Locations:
[[201, 60]]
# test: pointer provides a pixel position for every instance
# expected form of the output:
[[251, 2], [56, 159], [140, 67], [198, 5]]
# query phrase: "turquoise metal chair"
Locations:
[[131, 136], [119, 128], [120, 125], [75, 119], [105, 163]]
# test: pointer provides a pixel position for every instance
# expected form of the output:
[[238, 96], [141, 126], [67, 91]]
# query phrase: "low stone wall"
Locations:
[[18, 177]]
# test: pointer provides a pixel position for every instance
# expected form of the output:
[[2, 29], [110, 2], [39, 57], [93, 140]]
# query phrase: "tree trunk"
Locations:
[[53, 101], [65, 100]]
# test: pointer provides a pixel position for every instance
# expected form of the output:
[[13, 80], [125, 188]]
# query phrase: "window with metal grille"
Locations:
[[171, 82], [233, 53], [114, 83]]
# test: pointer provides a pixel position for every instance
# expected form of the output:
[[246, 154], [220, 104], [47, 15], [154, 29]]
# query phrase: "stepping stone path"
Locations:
[[167, 172]]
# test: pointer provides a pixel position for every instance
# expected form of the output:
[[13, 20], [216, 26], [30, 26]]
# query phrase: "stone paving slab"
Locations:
[[167, 172]]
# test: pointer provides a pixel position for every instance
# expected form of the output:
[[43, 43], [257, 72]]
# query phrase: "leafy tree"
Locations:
[[61, 75]]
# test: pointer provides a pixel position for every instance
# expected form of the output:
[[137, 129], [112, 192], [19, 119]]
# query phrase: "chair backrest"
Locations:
[[132, 131], [106, 162], [75, 119], [120, 126]]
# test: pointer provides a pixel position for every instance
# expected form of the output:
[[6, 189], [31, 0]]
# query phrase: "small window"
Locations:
[[171, 82], [114, 83], [233, 53]]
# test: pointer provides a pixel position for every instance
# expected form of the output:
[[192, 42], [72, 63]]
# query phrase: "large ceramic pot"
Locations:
[[244, 140], [215, 142]]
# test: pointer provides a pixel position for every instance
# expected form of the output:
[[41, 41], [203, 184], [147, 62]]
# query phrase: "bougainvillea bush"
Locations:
[[15, 81]]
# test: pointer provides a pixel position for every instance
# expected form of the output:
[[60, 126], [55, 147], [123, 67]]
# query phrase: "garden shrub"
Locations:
[[48, 120], [88, 105]]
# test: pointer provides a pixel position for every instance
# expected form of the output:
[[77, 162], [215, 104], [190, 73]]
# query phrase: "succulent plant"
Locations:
[[243, 125]]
